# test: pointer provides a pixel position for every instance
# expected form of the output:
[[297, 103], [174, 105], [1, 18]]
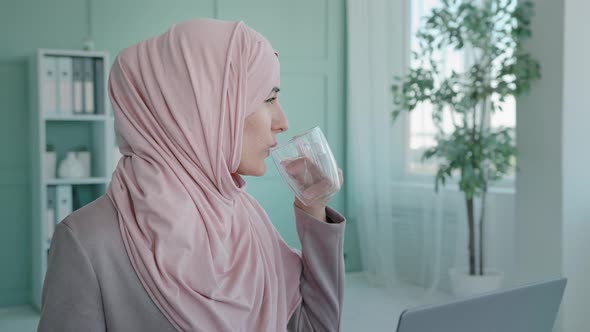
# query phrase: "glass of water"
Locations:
[[307, 165]]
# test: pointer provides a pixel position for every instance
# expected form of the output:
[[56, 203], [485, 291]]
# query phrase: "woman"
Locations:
[[177, 243]]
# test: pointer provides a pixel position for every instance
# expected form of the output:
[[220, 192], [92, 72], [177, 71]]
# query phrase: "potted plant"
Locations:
[[477, 154]]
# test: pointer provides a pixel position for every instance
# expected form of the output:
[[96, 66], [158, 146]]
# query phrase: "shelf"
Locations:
[[77, 181], [72, 53], [76, 117]]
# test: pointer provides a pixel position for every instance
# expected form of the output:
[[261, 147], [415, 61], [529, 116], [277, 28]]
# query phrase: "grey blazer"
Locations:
[[90, 284]]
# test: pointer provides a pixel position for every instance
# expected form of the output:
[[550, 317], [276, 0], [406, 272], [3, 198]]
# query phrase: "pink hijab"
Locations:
[[203, 248]]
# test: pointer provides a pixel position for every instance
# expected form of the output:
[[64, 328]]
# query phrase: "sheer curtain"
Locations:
[[408, 235], [371, 56]]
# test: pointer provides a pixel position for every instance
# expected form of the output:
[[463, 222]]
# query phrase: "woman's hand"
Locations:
[[311, 183]]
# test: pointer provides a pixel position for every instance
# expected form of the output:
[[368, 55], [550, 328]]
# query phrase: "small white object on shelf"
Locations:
[[71, 167], [84, 158]]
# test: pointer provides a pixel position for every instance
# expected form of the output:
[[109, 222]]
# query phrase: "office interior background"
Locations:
[[338, 59]]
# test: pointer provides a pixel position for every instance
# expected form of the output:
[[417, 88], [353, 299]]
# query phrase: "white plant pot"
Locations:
[[49, 164], [465, 285]]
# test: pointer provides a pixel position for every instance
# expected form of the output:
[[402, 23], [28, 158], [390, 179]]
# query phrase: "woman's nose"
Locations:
[[282, 124]]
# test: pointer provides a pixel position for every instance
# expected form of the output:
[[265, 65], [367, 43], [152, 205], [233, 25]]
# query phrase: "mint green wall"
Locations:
[[15, 230], [309, 34]]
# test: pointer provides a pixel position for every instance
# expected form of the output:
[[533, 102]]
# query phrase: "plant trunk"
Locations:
[[481, 247], [471, 224], [481, 233]]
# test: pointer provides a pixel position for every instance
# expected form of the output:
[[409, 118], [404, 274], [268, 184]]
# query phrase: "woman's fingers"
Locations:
[[296, 169], [303, 170], [311, 182], [317, 189]]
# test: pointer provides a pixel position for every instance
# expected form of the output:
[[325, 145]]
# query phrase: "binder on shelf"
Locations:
[[78, 79], [99, 86], [50, 211], [88, 86], [49, 85], [63, 194], [50, 215], [75, 198], [65, 100]]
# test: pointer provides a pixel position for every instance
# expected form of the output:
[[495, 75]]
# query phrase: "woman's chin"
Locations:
[[261, 170], [256, 171]]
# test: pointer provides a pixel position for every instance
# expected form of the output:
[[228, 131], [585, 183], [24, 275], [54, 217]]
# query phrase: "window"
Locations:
[[422, 130]]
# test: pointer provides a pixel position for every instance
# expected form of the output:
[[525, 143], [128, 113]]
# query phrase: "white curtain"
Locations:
[[369, 134], [408, 235]]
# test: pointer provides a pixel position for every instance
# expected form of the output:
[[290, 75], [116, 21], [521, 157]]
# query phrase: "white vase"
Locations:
[[71, 167], [49, 164], [465, 285], [84, 157]]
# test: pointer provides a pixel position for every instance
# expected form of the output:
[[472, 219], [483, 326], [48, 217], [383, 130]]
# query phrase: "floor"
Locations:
[[17, 319], [366, 308], [373, 309]]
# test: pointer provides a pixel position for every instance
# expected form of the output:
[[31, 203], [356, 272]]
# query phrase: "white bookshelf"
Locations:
[[65, 131]]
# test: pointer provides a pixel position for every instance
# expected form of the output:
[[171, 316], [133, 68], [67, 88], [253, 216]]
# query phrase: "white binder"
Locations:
[[88, 86], [63, 194], [78, 78], [99, 86], [50, 211], [65, 83], [49, 85]]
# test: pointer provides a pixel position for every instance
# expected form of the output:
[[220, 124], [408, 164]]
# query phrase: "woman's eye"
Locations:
[[270, 100]]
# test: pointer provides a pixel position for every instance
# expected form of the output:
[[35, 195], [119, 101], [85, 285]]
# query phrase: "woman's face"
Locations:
[[260, 131]]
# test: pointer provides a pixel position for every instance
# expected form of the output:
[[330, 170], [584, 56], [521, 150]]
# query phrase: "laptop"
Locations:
[[529, 308]]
